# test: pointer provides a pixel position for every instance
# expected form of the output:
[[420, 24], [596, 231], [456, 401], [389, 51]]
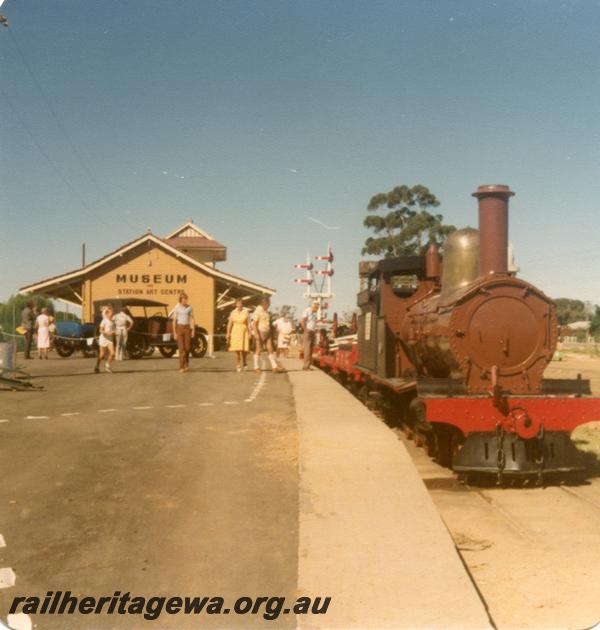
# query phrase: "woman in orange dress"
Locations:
[[238, 334]]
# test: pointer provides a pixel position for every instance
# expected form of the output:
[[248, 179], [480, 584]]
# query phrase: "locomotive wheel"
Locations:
[[167, 351], [447, 446], [429, 445], [64, 349], [353, 388], [363, 395]]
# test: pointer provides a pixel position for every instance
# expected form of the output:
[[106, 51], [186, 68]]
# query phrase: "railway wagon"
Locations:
[[454, 349]]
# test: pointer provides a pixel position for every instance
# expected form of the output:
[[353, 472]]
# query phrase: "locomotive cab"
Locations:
[[390, 287]]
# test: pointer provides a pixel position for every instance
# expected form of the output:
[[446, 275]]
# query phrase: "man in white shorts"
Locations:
[[123, 322], [106, 343], [261, 329]]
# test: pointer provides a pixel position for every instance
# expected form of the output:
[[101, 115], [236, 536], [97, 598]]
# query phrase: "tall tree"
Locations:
[[595, 324], [408, 227], [569, 311]]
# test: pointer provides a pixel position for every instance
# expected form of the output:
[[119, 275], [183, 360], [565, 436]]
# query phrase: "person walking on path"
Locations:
[[123, 322], [309, 326], [106, 340], [28, 323], [42, 326], [261, 327], [183, 330], [284, 328], [238, 334]]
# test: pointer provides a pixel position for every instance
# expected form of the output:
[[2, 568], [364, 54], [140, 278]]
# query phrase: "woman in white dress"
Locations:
[[284, 328], [42, 326]]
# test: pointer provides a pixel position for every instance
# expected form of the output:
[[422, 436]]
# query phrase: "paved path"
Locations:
[[149, 481], [370, 535], [219, 483]]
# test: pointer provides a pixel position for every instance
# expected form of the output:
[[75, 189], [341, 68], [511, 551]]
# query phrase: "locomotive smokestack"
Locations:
[[432, 262], [493, 228]]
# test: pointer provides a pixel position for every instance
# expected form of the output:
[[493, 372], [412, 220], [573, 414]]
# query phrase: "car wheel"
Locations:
[[167, 351], [136, 350], [64, 348], [199, 346]]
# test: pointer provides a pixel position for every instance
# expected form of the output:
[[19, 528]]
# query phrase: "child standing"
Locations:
[[106, 341]]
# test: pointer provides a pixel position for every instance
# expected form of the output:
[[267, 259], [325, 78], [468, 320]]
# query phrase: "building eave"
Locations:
[[72, 276]]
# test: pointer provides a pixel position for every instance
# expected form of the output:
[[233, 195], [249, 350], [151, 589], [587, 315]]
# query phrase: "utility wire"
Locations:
[[52, 163], [82, 162]]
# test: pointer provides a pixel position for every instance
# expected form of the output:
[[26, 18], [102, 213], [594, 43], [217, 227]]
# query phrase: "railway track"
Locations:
[[531, 551]]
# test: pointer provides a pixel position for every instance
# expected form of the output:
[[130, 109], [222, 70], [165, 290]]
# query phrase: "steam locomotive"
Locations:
[[454, 350]]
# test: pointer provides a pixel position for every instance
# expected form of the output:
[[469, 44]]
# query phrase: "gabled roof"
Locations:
[[189, 230], [194, 242], [146, 238]]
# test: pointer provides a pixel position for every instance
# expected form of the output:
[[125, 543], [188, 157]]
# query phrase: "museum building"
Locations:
[[158, 269]]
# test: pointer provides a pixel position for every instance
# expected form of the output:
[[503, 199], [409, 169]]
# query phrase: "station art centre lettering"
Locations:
[[157, 278]]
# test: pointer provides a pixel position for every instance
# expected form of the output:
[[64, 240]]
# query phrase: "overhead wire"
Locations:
[[69, 141], [50, 161]]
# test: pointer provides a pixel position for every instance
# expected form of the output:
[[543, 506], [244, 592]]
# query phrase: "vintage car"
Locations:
[[72, 336], [152, 328]]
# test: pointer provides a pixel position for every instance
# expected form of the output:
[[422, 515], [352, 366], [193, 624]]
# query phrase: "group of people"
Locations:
[[112, 340], [114, 331], [38, 324], [241, 327]]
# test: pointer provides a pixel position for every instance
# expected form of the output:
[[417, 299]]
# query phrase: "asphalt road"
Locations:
[[152, 482]]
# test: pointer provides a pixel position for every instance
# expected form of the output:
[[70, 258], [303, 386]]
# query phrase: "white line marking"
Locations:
[[2, 541], [4, 420], [104, 410], [259, 385], [7, 577], [174, 406], [70, 413], [231, 402], [36, 417], [141, 407], [205, 404]]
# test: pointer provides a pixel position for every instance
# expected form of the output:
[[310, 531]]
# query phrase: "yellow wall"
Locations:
[[153, 274]]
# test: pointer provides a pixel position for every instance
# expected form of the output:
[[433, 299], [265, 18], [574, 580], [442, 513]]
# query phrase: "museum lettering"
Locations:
[[157, 278]]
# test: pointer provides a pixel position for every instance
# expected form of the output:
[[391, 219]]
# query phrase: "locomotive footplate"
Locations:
[[508, 454]]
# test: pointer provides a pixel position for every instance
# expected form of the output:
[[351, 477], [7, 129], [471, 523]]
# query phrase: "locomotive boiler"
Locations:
[[454, 348]]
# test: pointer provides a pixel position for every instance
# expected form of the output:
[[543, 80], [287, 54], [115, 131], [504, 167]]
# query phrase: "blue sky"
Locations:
[[263, 114]]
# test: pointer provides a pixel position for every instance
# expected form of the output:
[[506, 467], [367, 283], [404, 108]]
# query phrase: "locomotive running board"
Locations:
[[566, 386], [441, 387], [550, 387], [399, 385]]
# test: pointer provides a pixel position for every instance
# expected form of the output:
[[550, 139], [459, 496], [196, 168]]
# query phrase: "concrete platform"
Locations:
[[369, 534]]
